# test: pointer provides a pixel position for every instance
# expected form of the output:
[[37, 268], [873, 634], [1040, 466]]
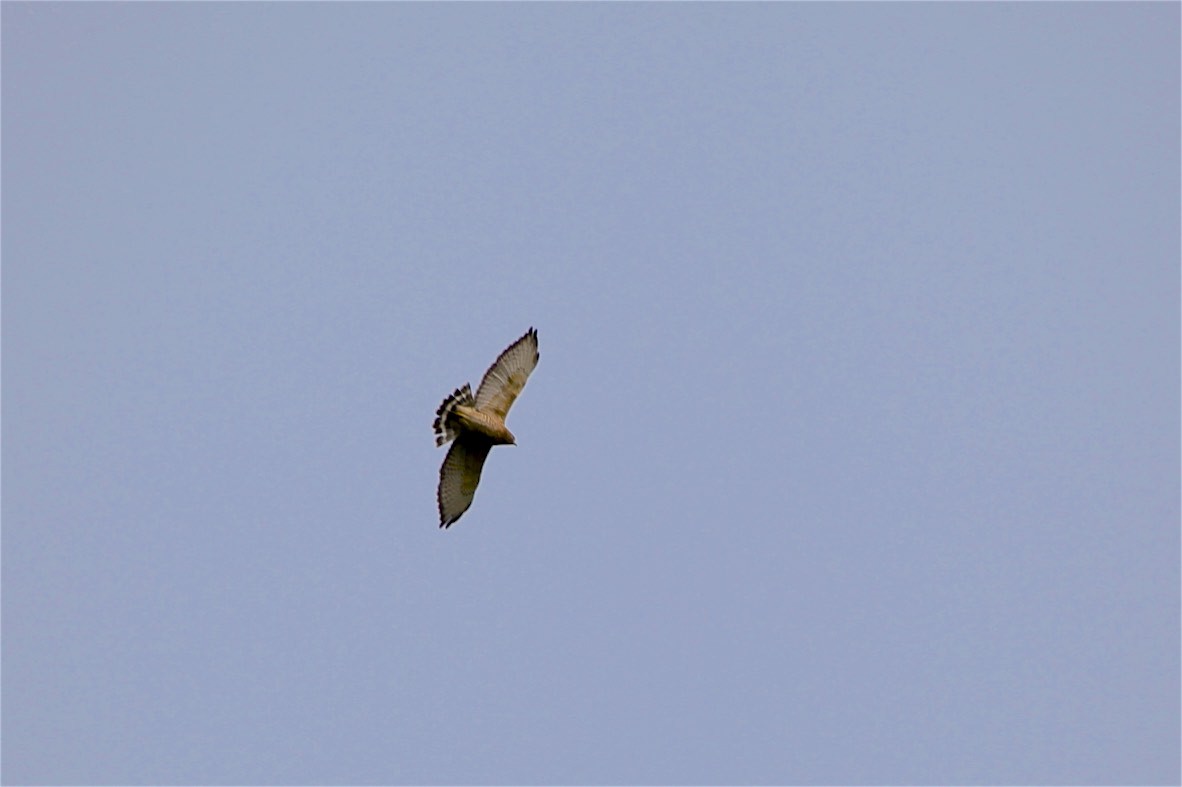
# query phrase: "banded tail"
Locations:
[[445, 427]]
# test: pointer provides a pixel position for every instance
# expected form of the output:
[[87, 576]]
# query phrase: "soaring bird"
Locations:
[[477, 423]]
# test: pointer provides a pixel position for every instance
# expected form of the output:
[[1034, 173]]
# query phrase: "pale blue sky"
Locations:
[[852, 455]]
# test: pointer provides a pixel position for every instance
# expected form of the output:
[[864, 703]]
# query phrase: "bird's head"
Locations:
[[502, 436]]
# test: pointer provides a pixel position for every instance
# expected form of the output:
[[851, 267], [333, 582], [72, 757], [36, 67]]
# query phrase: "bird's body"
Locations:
[[472, 420], [477, 423]]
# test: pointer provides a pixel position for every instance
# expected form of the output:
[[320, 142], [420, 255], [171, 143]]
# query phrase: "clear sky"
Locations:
[[852, 455]]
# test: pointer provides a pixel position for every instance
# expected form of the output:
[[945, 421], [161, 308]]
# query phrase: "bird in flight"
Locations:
[[477, 423]]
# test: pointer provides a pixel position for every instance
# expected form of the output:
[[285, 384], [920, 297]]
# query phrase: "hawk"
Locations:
[[477, 423]]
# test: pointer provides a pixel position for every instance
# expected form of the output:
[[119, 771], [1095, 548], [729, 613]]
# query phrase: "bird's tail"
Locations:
[[445, 426]]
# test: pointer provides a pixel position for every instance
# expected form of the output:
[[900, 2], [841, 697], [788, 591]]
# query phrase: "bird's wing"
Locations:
[[459, 476], [506, 377]]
